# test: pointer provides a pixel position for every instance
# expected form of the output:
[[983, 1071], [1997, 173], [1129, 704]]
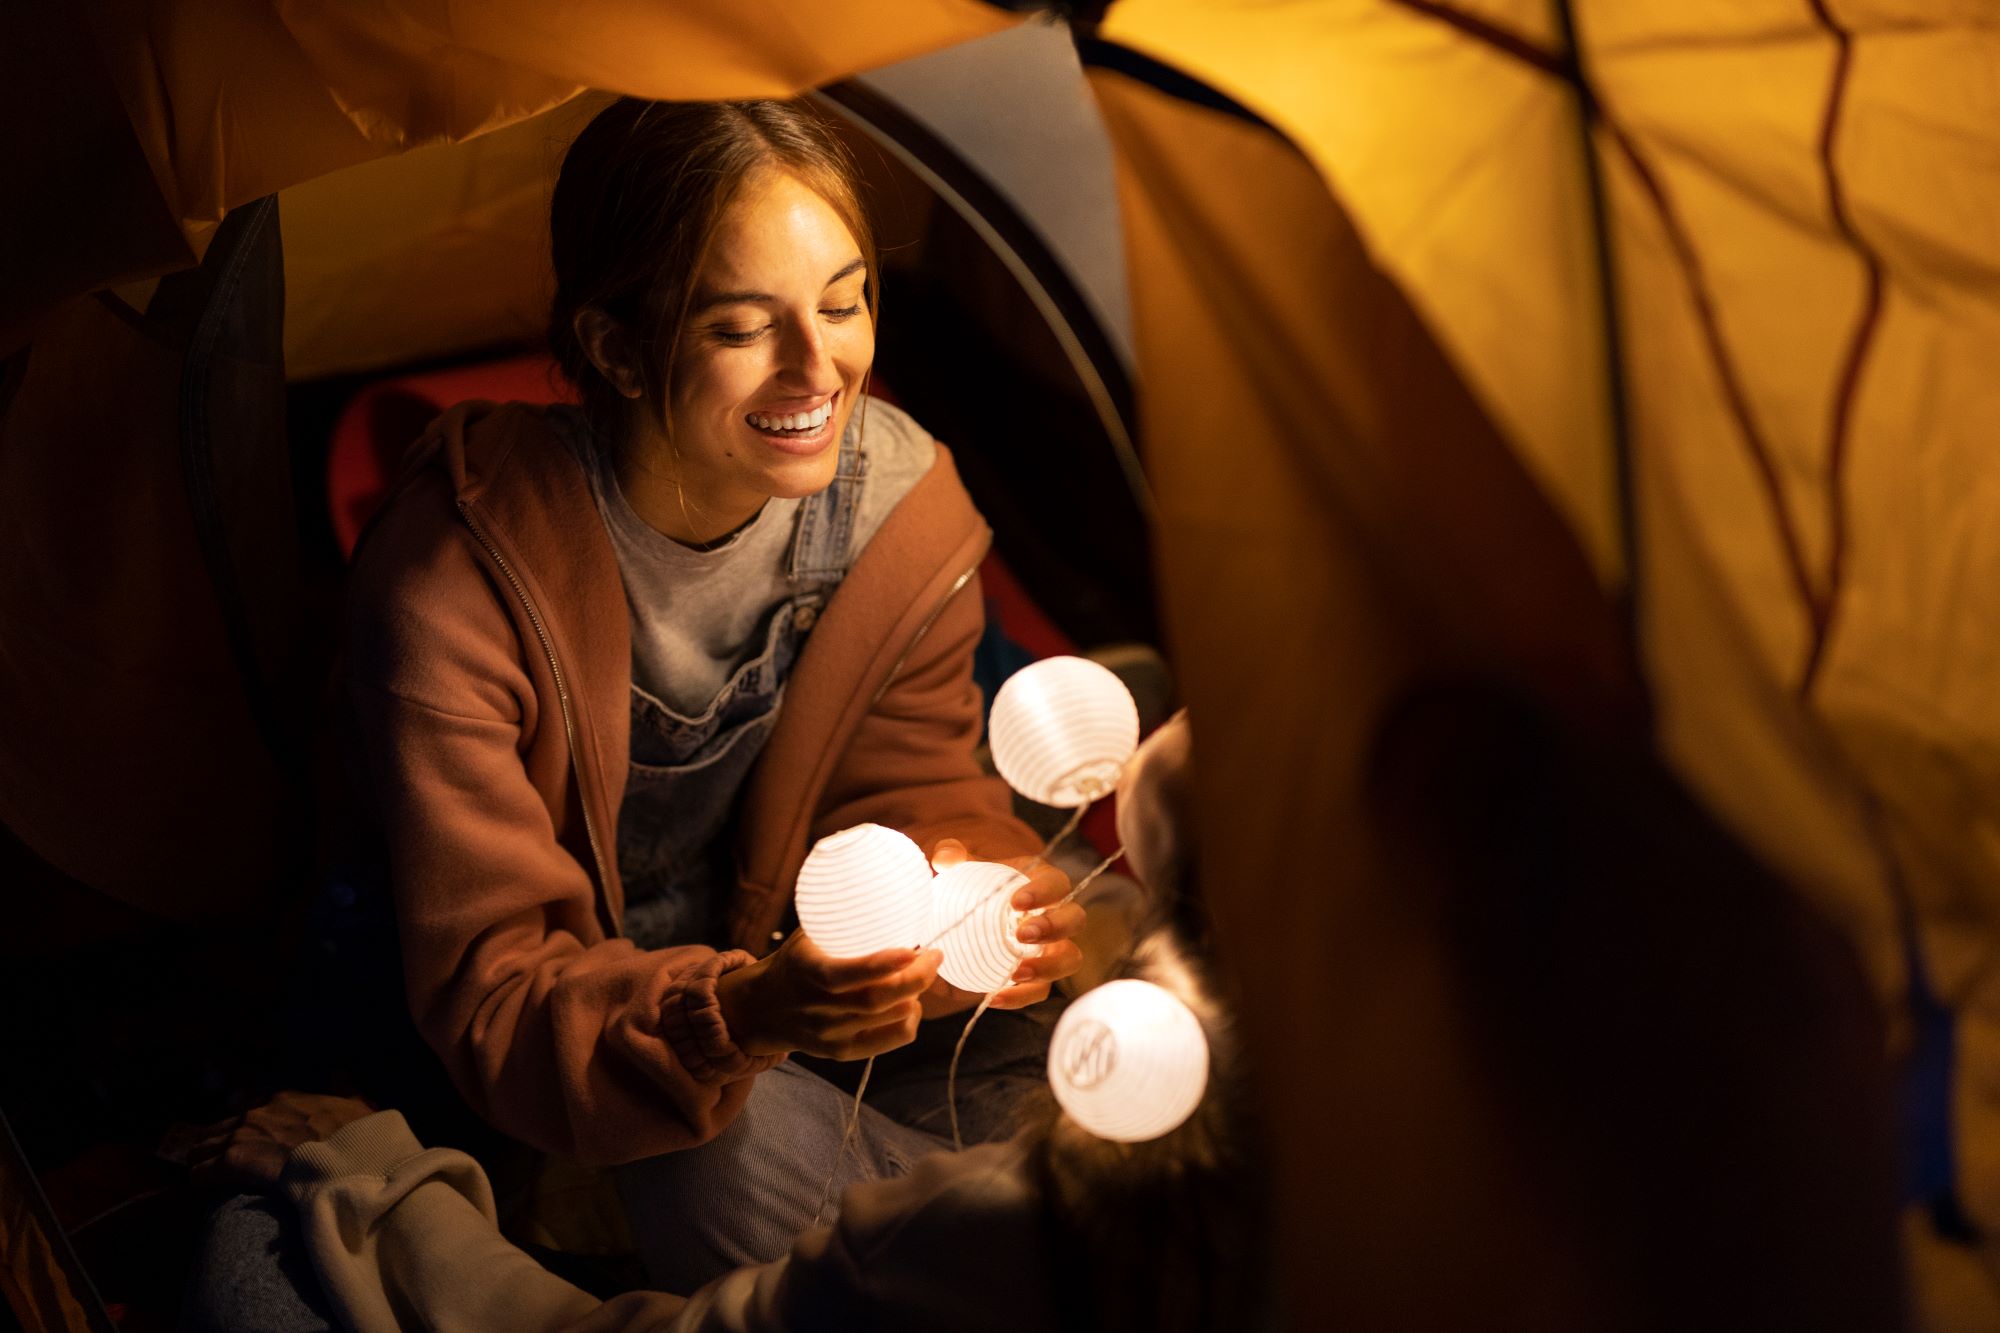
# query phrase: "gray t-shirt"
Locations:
[[697, 615]]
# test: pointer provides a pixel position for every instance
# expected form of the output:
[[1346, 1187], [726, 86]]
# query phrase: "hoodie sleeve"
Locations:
[[559, 1036], [402, 1235]]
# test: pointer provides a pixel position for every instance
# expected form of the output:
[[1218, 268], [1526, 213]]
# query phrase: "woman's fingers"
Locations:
[[206, 1149], [1053, 963], [254, 1167], [878, 987], [943, 998], [1060, 922], [1019, 996], [1037, 973], [877, 1037], [948, 853], [845, 974], [877, 997], [1046, 887], [907, 984]]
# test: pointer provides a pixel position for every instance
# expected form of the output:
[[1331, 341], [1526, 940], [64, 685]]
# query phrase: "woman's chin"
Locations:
[[797, 465], [794, 476]]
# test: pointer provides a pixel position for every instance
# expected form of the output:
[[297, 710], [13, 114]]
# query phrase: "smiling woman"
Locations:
[[767, 381], [737, 328], [613, 667]]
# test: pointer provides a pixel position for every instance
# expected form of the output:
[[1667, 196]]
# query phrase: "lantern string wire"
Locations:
[[1039, 859], [1076, 818], [973, 910], [846, 1138], [1095, 871], [951, 1075]]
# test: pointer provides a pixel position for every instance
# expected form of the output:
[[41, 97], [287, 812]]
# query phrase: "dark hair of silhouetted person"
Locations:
[[1166, 1235]]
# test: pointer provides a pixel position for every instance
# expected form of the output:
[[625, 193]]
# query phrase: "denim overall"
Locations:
[[676, 854]]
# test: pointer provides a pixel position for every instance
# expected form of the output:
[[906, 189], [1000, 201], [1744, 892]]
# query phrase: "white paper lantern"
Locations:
[[863, 889], [1062, 729], [973, 919], [1128, 1061]]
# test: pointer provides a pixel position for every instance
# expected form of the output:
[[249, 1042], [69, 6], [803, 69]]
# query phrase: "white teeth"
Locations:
[[812, 420]]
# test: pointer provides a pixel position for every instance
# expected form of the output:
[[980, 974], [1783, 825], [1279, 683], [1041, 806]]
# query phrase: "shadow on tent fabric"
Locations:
[[157, 682], [159, 673], [1678, 1042], [1539, 1041]]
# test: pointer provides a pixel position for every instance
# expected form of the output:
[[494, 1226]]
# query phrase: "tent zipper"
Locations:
[[562, 699], [957, 585]]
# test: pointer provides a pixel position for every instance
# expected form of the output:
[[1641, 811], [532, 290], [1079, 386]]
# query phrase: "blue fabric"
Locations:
[[1924, 1100], [253, 1275], [994, 659], [674, 850], [746, 1195]]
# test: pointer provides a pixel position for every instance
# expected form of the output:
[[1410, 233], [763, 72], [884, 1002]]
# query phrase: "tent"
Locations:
[[1561, 428]]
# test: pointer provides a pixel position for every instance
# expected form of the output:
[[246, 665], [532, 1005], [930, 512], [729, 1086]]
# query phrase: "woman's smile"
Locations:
[[801, 431]]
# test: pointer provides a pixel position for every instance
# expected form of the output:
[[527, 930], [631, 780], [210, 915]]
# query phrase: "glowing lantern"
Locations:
[[863, 889], [1128, 1061], [1062, 729], [973, 920]]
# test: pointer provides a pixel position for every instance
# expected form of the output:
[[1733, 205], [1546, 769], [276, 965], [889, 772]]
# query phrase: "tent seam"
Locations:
[[1841, 418], [1561, 65], [1734, 393]]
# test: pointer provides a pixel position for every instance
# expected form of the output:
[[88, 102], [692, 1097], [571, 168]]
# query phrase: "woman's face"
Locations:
[[771, 362]]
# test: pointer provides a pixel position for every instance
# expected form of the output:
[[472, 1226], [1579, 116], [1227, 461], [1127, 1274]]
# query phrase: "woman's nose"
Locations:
[[807, 360]]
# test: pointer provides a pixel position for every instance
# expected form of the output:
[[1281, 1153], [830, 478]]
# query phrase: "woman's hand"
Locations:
[[1052, 925], [249, 1152], [799, 998]]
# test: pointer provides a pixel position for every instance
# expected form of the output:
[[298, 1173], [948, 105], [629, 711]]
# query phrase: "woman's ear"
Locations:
[[610, 348]]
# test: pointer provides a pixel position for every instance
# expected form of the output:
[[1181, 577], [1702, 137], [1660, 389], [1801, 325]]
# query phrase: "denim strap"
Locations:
[[819, 556]]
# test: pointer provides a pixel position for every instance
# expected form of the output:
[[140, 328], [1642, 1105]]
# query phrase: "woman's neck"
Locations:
[[670, 506]]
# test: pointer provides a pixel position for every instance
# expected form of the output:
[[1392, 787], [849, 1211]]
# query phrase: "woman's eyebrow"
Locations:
[[706, 301]]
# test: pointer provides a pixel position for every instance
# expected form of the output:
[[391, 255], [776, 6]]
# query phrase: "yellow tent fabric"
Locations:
[[1799, 200], [1290, 650], [1344, 535], [226, 101], [235, 100], [426, 253]]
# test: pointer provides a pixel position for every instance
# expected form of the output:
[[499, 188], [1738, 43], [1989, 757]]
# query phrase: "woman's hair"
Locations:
[[640, 195]]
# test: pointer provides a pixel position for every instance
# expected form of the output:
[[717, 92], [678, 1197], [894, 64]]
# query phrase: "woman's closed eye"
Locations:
[[736, 337]]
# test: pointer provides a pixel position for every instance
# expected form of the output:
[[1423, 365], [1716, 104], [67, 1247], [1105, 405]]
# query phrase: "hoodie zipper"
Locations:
[[957, 586], [562, 700]]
